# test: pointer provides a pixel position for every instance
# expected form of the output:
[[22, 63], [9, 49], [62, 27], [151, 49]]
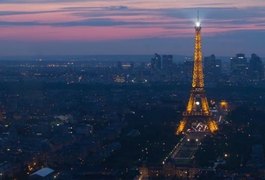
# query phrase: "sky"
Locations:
[[84, 27]]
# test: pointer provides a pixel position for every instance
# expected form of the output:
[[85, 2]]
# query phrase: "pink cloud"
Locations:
[[150, 25], [47, 33]]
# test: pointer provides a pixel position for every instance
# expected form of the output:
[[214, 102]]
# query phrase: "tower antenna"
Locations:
[[198, 15]]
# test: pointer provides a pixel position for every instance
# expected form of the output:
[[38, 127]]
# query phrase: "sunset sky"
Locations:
[[59, 27]]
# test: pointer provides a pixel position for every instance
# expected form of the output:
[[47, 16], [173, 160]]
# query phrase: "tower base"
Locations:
[[197, 124]]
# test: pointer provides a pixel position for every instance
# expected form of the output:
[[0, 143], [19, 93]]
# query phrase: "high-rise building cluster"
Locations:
[[236, 70], [243, 69], [164, 62]]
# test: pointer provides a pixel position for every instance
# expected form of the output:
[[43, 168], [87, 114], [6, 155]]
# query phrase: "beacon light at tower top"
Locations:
[[198, 24]]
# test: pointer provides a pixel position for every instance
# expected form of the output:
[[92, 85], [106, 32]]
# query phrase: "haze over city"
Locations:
[[49, 27]]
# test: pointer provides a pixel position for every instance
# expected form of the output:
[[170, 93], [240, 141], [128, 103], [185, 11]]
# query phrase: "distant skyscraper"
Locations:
[[119, 65], [256, 68], [188, 66], [156, 62], [167, 61], [212, 68], [239, 68]]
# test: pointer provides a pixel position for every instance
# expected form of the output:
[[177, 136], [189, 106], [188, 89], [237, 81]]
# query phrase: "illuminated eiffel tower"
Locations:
[[197, 117]]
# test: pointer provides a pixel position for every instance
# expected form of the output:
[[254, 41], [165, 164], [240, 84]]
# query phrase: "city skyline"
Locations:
[[48, 27], [101, 108]]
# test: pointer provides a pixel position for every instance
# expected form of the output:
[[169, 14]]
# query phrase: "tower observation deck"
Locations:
[[197, 117]]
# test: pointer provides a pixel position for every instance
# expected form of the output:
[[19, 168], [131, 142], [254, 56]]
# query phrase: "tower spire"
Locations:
[[198, 22], [198, 15]]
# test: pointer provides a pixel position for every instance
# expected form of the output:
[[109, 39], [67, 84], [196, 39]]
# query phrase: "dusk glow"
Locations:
[[120, 22]]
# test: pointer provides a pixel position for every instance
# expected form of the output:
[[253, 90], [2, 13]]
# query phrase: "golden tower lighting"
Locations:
[[197, 110]]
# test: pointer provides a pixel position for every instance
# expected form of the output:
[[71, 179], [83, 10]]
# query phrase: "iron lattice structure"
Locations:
[[197, 116]]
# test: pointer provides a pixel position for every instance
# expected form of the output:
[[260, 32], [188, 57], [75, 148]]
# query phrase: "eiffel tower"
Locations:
[[197, 117]]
